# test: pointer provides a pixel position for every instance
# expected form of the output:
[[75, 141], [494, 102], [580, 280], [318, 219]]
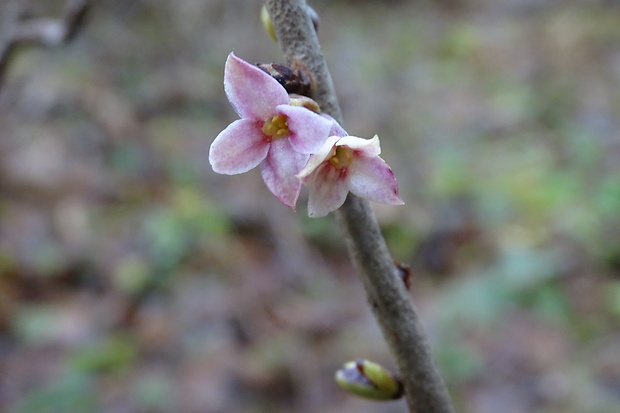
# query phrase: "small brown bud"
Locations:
[[405, 273], [294, 81]]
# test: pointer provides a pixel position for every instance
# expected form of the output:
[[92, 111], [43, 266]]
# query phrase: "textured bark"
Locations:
[[386, 292]]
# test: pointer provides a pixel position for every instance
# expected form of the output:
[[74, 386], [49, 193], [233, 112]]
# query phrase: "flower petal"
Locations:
[[372, 178], [336, 130], [369, 147], [238, 148], [317, 158], [279, 169], [308, 130], [328, 190], [252, 92]]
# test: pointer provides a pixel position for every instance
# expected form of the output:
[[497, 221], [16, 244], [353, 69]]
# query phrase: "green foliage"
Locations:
[[548, 302], [71, 393], [400, 239], [612, 299], [520, 278], [457, 360], [323, 233], [34, 324], [171, 232], [154, 394], [113, 354], [127, 159]]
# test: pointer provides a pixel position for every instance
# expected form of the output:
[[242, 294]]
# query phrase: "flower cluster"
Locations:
[[293, 145]]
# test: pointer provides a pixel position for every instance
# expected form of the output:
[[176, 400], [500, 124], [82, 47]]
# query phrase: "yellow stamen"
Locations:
[[276, 127], [342, 157]]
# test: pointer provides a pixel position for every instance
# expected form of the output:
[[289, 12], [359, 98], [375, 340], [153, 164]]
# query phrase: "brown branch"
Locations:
[[44, 32], [386, 292]]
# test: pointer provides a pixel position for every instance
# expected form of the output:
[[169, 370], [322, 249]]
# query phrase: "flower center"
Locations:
[[342, 157], [276, 127]]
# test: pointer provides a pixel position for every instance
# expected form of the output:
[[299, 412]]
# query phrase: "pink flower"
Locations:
[[346, 164], [271, 133]]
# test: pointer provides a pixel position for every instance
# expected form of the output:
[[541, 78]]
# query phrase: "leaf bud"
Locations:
[[265, 19], [369, 380]]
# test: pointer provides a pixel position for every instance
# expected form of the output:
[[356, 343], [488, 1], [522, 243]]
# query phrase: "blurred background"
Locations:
[[134, 279]]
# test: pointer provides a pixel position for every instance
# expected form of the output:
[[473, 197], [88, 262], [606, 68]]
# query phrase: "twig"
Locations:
[[386, 292], [43, 31]]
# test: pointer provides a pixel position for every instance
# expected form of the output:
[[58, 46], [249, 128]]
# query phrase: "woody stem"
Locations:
[[386, 292]]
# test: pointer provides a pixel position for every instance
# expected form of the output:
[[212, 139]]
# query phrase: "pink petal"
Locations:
[[372, 178], [252, 92], [238, 148], [369, 147], [309, 130], [318, 158], [279, 169], [336, 130], [328, 190]]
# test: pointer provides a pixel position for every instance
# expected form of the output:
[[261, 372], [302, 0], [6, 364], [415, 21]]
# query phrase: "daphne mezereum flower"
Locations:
[[271, 133], [346, 164]]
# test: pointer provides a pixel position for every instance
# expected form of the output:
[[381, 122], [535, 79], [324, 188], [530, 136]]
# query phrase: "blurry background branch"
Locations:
[[386, 292], [44, 31]]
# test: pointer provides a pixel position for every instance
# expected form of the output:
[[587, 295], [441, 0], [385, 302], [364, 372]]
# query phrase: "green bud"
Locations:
[[267, 24], [370, 380]]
